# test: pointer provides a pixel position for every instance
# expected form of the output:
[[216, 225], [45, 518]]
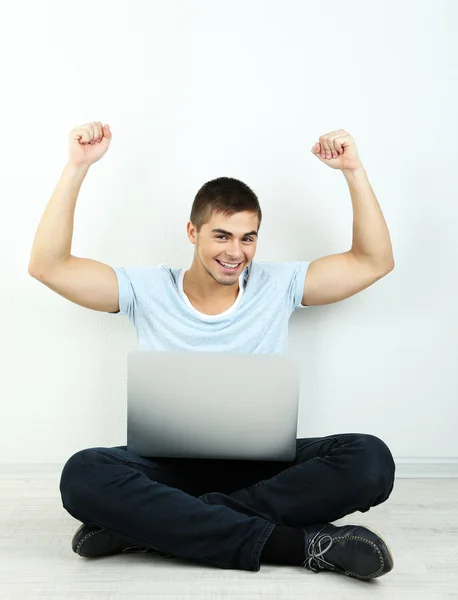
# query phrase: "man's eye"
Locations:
[[221, 236]]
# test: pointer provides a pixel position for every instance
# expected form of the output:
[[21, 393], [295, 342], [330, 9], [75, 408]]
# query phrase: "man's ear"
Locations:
[[192, 233]]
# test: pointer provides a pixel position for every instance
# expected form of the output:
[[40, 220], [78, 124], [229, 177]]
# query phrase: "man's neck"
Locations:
[[204, 289]]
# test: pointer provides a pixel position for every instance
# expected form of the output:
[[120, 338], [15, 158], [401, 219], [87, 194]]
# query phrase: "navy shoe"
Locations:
[[92, 541], [352, 550]]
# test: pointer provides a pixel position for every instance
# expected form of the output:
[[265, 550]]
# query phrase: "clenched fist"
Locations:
[[88, 143]]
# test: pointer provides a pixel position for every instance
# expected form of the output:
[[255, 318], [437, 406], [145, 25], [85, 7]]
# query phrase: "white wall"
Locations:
[[194, 90]]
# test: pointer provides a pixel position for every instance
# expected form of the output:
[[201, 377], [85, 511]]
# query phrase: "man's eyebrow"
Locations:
[[230, 234]]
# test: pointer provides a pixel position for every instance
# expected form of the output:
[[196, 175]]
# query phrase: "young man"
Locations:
[[228, 513]]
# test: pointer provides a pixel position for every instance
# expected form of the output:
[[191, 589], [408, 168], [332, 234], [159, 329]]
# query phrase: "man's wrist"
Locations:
[[355, 174], [76, 168], [75, 171]]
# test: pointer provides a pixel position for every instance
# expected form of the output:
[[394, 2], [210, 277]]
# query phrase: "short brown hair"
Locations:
[[224, 195]]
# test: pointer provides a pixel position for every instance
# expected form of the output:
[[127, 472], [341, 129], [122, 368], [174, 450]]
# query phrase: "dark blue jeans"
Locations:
[[221, 512]]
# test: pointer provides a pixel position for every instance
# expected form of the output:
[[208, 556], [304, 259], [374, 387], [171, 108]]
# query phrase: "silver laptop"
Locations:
[[212, 405]]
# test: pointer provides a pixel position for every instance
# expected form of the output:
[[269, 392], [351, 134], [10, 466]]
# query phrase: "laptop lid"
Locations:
[[212, 405]]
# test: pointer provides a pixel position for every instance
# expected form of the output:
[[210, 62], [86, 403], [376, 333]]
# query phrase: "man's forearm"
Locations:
[[371, 237], [53, 239]]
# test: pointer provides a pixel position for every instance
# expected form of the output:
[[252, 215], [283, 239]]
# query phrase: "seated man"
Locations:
[[227, 513]]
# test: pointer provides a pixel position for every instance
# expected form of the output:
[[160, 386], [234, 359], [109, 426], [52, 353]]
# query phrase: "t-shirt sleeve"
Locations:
[[126, 290], [296, 272], [289, 277]]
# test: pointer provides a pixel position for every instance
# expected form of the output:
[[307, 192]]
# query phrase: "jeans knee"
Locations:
[[75, 474], [378, 469]]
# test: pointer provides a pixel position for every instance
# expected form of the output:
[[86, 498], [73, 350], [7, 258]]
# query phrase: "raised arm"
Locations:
[[86, 282]]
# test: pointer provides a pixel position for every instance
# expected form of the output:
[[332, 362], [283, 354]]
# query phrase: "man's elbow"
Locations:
[[387, 267]]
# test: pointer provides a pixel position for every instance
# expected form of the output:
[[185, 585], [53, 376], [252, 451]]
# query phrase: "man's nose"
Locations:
[[235, 251], [235, 248]]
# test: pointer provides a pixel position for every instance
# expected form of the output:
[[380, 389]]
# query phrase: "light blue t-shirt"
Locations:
[[257, 322]]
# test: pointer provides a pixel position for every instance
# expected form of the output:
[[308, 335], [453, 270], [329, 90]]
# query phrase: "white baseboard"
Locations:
[[406, 468], [435, 468]]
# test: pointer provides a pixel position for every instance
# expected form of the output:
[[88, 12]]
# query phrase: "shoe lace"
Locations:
[[315, 552]]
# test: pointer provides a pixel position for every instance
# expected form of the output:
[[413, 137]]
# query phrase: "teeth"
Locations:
[[229, 265]]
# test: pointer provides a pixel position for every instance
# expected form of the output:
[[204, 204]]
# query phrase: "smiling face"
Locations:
[[225, 240]]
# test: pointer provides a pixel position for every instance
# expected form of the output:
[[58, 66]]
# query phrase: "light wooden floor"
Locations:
[[419, 521]]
